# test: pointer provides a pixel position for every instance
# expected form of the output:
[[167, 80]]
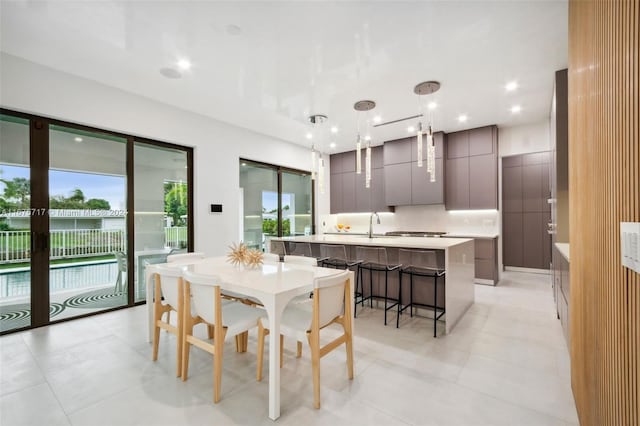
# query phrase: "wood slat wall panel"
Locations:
[[604, 190]]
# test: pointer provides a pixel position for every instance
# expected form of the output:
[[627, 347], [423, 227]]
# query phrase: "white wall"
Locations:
[[28, 87], [524, 139]]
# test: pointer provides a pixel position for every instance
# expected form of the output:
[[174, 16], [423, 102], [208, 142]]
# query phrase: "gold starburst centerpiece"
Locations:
[[253, 258], [237, 254]]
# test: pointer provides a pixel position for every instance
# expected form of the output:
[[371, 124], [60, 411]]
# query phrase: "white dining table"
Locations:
[[273, 284]]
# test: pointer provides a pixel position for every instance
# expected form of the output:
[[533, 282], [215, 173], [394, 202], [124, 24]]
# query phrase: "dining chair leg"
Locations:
[[242, 342], [209, 331], [218, 343], [281, 349], [185, 360], [348, 330], [314, 344], [156, 337], [179, 352], [299, 349], [262, 332]]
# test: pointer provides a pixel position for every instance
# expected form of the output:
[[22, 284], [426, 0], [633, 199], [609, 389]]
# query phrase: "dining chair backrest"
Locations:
[[333, 251], [184, 257], [170, 284], [270, 257], [426, 259], [204, 297], [277, 247], [372, 254], [330, 292], [300, 249], [301, 260]]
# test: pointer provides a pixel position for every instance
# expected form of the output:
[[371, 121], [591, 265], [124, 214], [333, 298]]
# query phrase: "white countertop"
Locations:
[[563, 248], [363, 240], [470, 235]]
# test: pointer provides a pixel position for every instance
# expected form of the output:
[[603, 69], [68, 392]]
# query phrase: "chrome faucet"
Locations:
[[371, 223]]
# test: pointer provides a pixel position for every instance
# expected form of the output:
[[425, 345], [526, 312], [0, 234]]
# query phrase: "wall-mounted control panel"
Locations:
[[630, 241]]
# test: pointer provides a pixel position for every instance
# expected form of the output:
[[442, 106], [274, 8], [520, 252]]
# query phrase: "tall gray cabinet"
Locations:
[[471, 169], [525, 211]]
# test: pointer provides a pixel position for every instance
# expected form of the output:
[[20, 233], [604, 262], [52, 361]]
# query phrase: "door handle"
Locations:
[[39, 241]]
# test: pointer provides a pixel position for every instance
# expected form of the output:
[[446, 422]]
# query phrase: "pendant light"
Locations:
[[426, 88], [317, 162], [364, 106]]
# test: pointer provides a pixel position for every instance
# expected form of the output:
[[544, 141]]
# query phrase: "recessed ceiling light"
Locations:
[[332, 145], [309, 136], [516, 109], [77, 139], [377, 119], [170, 73], [432, 105], [367, 138], [184, 64], [462, 118], [244, 164], [411, 129], [511, 86], [334, 129]]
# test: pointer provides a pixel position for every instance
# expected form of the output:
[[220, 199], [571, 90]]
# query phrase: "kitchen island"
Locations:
[[456, 255]]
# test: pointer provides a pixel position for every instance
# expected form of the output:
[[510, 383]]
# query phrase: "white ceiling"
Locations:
[[293, 59]]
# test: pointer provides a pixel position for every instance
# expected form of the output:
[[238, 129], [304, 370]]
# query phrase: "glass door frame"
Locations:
[[279, 170], [40, 232]]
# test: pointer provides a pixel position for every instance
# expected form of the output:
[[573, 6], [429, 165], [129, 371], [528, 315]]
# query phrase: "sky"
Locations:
[[110, 188]]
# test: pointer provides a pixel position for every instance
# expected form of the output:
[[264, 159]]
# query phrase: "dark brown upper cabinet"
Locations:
[[348, 192], [471, 169], [405, 182]]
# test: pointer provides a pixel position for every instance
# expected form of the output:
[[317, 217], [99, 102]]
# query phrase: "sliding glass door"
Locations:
[[275, 202], [87, 221], [15, 224], [162, 207], [69, 245]]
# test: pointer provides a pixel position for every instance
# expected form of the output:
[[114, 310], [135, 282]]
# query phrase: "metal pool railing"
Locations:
[[15, 246], [17, 282]]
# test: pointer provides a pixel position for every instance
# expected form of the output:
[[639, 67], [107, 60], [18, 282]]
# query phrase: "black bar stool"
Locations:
[[374, 259], [423, 264], [335, 256]]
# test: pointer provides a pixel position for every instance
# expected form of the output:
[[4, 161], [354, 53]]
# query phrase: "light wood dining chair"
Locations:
[[303, 298], [204, 306], [330, 305], [185, 257], [270, 257], [169, 296]]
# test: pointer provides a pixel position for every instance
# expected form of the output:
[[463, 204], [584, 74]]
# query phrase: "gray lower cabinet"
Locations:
[[561, 289], [486, 260]]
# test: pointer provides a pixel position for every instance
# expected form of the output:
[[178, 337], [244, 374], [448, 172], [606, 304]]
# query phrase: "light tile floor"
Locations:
[[506, 363]]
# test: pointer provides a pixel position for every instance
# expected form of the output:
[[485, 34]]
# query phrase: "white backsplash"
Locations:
[[417, 218]]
